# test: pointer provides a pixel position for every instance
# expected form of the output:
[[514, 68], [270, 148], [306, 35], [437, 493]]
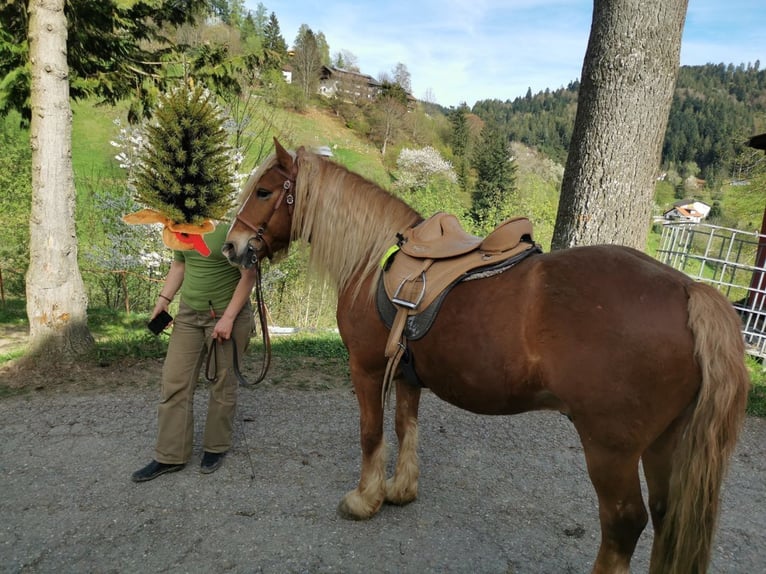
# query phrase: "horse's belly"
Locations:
[[477, 375]]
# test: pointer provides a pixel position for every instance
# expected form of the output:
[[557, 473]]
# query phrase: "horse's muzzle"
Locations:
[[247, 259]]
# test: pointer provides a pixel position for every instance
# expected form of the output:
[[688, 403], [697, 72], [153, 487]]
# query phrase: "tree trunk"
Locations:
[[56, 298], [628, 78]]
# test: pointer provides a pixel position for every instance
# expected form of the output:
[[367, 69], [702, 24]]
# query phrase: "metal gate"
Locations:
[[733, 261]]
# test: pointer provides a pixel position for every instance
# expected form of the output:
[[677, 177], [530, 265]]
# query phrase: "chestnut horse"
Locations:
[[647, 364]]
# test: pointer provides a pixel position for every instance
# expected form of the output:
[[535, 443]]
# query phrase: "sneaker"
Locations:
[[211, 461], [153, 470]]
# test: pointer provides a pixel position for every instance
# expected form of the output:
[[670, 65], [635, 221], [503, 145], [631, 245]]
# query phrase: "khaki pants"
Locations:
[[190, 341]]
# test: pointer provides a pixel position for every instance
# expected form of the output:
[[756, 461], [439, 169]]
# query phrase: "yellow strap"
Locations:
[[387, 255]]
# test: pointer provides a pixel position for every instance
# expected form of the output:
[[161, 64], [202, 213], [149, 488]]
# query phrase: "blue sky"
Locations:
[[468, 50]]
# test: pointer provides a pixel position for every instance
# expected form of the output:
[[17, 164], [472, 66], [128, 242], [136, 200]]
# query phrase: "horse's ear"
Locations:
[[283, 156]]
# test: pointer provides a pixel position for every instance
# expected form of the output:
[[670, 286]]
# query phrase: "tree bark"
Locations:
[[628, 78], [56, 297]]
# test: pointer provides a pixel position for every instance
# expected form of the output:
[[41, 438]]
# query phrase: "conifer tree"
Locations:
[[496, 180], [274, 45], [460, 143], [186, 170]]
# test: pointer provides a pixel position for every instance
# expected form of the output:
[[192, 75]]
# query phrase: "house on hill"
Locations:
[[688, 210], [348, 85]]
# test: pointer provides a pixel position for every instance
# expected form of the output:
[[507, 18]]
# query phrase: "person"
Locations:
[[214, 313]]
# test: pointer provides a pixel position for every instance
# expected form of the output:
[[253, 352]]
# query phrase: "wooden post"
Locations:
[[755, 299], [125, 296]]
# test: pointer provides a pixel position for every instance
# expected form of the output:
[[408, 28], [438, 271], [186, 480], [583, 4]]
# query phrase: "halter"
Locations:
[[284, 194]]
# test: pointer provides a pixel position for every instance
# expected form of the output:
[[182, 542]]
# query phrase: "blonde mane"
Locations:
[[349, 221]]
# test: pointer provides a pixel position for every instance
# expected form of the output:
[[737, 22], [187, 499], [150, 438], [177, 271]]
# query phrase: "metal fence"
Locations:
[[731, 260]]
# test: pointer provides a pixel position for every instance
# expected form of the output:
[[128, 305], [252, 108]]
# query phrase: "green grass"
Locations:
[[13, 312], [119, 335], [756, 404], [742, 207], [13, 319], [324, 345], [92, 130]]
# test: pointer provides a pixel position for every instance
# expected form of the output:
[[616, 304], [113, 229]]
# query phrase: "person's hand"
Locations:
[[159, 307], [222, 329]]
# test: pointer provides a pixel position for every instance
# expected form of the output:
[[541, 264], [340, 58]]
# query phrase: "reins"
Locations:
[[260, 306], [266, 362]]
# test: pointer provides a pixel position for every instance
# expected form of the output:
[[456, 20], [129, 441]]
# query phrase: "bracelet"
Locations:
[[168, 299]]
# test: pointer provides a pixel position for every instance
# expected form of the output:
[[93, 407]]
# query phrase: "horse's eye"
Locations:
[[263, 193]]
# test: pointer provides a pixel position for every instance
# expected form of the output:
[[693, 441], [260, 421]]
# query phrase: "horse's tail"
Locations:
[[707, 443]]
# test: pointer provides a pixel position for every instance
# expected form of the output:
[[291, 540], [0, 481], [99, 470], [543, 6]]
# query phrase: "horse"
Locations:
[[646, 363]]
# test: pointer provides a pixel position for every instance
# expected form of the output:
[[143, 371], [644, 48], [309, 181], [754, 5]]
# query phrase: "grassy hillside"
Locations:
[[93, 128], [538, 177], [315, 128]]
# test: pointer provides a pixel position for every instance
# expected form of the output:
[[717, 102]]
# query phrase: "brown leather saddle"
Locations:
[[431, 258]]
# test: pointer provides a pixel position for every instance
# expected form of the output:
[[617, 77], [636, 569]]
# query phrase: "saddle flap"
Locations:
[[439, 236], [507, 235]]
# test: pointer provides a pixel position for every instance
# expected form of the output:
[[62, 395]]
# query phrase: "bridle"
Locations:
[[286, 195]]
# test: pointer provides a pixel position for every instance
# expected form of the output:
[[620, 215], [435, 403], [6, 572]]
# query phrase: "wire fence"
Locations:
[[733, 261]]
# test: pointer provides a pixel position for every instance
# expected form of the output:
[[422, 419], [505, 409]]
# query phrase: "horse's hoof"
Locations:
[[345, 512], [352, 507], [400, 496]]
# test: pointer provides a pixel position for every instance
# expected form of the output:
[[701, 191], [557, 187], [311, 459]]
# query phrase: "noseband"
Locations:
[[285, 195]]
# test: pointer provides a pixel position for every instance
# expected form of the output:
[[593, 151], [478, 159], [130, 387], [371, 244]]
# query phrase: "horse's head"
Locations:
[[263, 223]]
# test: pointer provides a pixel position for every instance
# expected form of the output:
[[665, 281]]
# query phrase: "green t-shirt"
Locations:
[[210, 278]]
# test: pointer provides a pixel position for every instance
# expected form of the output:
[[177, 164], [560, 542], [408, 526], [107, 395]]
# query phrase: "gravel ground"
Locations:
[[497, 494]]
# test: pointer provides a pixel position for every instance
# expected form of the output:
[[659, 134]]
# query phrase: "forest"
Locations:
[[715, 110]]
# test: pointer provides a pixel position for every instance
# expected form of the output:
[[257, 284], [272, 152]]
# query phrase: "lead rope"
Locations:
[[262, 317], [263, 320], [260, 306]]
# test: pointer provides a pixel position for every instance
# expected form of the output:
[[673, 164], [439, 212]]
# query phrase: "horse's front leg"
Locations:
[[402, 488], [366, 499]]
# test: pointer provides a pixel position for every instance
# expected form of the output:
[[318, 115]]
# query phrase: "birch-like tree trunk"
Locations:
[[56, 297], [628, 78]]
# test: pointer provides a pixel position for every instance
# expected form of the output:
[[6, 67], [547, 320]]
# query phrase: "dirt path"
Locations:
[[497, 495]]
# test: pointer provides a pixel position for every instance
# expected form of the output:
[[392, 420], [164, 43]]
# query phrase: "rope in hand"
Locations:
[[260, 306]]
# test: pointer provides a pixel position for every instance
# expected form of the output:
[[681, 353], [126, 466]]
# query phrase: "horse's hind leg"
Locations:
[[403, 486], [658, 465], [366, 499], [621, 508]]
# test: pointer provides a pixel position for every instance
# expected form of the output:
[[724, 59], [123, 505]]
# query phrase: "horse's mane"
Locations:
[[349, 221]]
